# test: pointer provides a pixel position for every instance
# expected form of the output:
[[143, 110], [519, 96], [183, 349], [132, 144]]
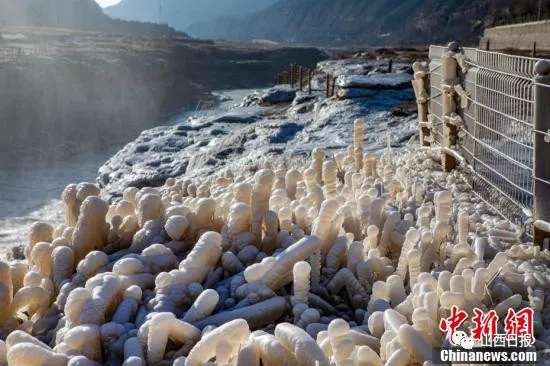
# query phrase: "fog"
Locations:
[[70, 100], [61, 119]]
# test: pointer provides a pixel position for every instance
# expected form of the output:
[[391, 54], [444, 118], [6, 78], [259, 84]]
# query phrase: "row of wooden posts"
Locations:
[[301, 78]]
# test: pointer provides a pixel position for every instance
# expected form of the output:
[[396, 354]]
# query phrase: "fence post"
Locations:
[[449, 73], [420, 86], [292, 75], [301, 76], [333, 86], [327, 86], [309, 81], [390, 66], [534, 53], [542, 152]]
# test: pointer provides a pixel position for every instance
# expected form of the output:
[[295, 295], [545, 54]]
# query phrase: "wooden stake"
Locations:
[[309, 81]]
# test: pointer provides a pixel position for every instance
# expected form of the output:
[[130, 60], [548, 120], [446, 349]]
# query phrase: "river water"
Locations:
[[32, 178]]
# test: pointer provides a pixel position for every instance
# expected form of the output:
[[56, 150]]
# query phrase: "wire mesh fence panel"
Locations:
[[497, 136], [436, 52], [436, 99], [470, 54]]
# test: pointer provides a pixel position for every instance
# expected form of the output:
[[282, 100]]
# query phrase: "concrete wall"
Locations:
[[518, 36]]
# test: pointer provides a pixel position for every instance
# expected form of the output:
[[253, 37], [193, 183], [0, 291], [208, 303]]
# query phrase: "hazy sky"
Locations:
[[105, 3]]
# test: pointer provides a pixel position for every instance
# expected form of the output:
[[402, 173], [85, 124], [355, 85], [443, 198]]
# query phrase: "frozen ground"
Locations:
[[255, 129], [236, 132], [391, 243]]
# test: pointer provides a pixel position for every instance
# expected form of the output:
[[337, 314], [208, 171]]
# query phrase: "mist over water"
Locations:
[[70, 99], [33, 174], [33, 177]]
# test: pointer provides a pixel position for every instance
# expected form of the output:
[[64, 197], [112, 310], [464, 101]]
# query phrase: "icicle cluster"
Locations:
[[351, 259]]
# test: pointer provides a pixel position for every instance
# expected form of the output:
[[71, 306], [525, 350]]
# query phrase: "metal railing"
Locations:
[[496, 138], [436, 100]]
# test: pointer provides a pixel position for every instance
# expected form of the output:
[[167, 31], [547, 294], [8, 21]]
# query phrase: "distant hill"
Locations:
[[367, 22], [73, 14], [182, 13]]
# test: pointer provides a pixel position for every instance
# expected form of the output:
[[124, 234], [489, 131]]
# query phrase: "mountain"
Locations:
[[367, 22], [72, 14], [182, 13]]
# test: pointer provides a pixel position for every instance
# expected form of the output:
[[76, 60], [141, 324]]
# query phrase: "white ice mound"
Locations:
[[279, 94], [375, 81]]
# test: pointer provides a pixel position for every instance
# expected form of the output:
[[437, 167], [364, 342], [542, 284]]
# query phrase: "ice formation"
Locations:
[[349, 259]]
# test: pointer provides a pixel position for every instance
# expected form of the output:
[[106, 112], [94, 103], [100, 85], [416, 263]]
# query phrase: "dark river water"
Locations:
[[32, 178]]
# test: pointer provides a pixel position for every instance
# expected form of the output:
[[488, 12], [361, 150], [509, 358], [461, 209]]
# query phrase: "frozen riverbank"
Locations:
[[299, 231], [252, 131], [71, 99]]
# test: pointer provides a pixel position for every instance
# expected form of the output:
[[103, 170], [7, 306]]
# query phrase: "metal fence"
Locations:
[[436, 100], [497, 136]]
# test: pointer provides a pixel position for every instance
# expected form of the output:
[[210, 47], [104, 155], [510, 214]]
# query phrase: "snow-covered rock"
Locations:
[[237, 116], [354, 93], [375, 81], [278, 94], [346, 67]]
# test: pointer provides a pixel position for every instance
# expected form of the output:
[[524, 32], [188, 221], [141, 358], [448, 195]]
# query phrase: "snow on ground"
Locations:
[[359, 66], [264, 125], [378, 81]]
